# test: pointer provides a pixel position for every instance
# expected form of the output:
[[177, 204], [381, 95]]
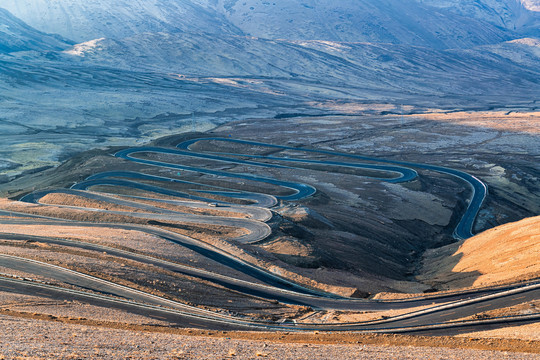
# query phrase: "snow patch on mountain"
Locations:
[[525, 52], [142, 67], [388, 21], [527, 41]]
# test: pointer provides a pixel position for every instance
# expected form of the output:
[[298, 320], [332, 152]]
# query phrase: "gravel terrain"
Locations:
[[30, 339]]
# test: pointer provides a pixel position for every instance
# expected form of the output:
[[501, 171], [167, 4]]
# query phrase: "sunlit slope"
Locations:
[[533, 5], [504, 254], [133, 87], [142, 68]]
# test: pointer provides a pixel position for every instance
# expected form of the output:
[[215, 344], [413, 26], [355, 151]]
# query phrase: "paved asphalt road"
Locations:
[[455, 306], [194, 245], [318, 302], [186, 316], [463, 229], [256, 230]]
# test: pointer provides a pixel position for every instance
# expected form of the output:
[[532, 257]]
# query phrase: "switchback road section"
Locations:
[[439, 313]]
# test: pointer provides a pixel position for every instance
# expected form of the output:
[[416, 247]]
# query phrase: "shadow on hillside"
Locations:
[[439, 271]]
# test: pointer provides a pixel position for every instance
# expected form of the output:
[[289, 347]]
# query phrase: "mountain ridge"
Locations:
[[388, 21], [15, 35]]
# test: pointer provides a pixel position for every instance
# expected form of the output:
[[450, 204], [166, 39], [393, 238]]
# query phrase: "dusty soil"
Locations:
[[524, 332], [63, 338], [417, 215], [129, 240], [149, 279], [381, 250], [528, 308], [246, 252], [79, 201], [521, 122]]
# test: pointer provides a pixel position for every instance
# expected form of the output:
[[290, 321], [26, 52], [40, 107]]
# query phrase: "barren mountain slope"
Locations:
[[144, 67], [510, 14], [15, 35], [504, 254], [377, 66], [388, 21], [120, 91], [82, 20]]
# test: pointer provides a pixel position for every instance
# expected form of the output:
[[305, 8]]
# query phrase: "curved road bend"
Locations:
[[211, 320], [405, 174], [253, 212], [462, 231], [300, 190], [113, 178], [276, 287], [257, 230], [175, 317], [270, 292], [464, 227], [100, 178], [211, 252]]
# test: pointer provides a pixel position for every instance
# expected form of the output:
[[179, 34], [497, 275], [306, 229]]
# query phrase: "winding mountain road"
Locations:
[[441, 309], [462, 231]]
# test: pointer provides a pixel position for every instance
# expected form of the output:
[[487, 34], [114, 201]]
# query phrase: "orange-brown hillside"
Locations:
[[504, 254]]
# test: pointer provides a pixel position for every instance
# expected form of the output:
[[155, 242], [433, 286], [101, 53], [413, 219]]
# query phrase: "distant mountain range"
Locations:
[[112, 71], [430, 23]]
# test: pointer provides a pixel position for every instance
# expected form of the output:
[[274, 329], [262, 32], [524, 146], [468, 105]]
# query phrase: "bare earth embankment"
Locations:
[[506, 254]]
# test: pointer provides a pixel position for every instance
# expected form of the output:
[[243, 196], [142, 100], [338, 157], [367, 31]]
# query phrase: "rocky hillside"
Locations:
[[235, 62], [384, 21], [533, 5]]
